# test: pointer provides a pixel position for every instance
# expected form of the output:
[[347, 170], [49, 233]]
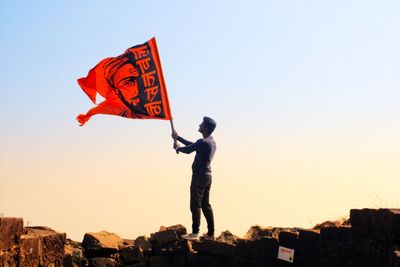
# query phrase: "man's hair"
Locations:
[[210, 124]]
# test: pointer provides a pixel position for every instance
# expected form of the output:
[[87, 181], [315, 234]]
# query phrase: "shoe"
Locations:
[[207, 237], [191, 237]]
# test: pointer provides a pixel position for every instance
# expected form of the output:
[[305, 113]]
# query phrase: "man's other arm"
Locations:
[[187, 149], [184, 141]]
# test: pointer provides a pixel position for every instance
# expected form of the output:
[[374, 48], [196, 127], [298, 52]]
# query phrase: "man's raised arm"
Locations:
[[181, 139]]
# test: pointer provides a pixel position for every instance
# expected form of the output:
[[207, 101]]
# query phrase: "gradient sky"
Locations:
[[306, 95]]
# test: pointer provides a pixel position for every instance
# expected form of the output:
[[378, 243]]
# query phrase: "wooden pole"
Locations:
[[173, 130]]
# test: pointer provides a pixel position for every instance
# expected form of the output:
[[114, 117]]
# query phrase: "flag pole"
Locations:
[[173, 130]]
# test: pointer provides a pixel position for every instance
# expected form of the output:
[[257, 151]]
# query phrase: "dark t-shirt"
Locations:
[[205, 150]]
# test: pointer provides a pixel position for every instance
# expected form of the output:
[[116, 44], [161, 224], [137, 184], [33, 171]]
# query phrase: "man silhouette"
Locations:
[[201, 177]]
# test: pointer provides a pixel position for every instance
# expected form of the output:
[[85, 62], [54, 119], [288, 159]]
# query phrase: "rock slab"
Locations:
[[10, 231]]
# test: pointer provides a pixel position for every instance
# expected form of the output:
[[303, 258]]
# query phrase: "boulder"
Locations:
[[101, 244], [207, 260], [179, 260], [160, 261], [383, 224], [179, 229], [265, 250], [130, 254], [227, 237], [74, 254], [244, 248], [176, 247], [163, 237], [29, 250], [143, 243], [309, 247], [214, 247], [103, 262], [257, 231], [288, 240], [337, 223], [10, 231], [43, 245], [335, 233], [9, 258], [394, 260]]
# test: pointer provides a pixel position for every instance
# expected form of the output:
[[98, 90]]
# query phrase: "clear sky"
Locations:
[[305, 93]]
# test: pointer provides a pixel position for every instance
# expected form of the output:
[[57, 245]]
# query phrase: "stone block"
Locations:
[[360, 221], [179, 260], [103, 262], [179, 229], [257, 231], [9, 258], [244, 248], [140, 264], [143, 242], [308, 251], [43, 243], [383, 224], [30, 251], [74, 255], [131, 255], [163, 237], [336, 233], [101, 244], [354, 251], [160, 261], [227, 237], [207, 260], [241, 262], [10, 231], [288, 240], [394, 260], [265, 250], [215, 248], [176, 247]]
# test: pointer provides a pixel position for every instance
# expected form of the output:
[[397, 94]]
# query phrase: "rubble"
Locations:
[[370, 238]]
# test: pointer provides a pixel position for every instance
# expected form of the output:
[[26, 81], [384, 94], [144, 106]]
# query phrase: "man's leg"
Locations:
[[207, 210], [196, 196]]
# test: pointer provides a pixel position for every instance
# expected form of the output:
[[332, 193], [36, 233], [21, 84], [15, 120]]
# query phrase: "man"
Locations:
[[201, 178]]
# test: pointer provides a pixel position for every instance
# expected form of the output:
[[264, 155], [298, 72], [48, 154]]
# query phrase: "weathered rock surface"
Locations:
[[257, 231], [129, 253], [383, 224], [179, 229], [101, 244], [227, 237], [143, 243], [41, 246], [163, 237], [9, 258], [74, 255], [371, 240], [10, 231], [103, 262], [214, 247]]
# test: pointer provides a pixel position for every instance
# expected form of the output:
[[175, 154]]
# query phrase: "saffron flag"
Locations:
[[132, 85]]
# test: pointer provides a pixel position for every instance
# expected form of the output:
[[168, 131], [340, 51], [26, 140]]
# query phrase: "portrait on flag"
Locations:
[[131, 84]]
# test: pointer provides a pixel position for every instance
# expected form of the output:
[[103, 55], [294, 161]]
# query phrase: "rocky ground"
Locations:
[[370, 238]]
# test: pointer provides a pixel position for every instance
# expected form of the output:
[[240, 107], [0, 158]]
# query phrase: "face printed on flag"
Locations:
[[132, 85], [123, 76]]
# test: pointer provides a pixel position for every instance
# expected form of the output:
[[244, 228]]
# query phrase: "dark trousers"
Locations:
[[200, 201]]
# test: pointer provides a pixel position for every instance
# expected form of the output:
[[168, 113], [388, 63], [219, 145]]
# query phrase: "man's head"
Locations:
[[207, 126]]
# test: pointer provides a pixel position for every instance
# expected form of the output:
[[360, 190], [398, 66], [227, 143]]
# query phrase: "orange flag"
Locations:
[[132, 85]]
